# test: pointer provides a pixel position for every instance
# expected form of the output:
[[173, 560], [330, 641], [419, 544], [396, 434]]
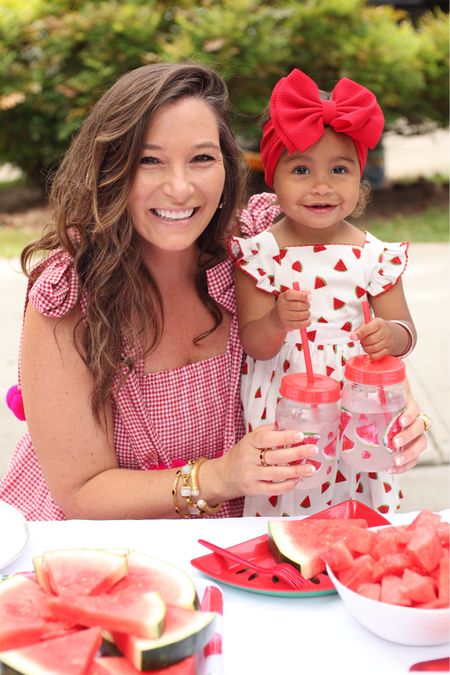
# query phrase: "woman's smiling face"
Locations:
[[180, 178]]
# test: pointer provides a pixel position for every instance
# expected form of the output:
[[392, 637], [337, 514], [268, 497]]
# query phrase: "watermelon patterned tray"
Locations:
[[257, 551]]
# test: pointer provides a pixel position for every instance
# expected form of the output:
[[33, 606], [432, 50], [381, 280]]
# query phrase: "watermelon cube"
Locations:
[[358, 573], [386, 542], [443, 532], [359, 540], [425, 547], [423, 518], [372, 591], [444, 579], [337, 556], [392, 563], [391, 591], [417, 587]]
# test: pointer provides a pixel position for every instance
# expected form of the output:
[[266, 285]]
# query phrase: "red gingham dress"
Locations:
[[160, 419]]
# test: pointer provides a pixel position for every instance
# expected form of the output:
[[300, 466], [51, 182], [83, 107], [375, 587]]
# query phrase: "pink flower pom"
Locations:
[[14, 401]]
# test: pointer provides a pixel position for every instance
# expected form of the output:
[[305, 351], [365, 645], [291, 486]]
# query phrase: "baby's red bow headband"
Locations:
[[298, 117]]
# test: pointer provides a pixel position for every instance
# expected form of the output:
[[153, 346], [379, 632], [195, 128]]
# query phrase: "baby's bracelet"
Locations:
[[196, 506], [412, 337]]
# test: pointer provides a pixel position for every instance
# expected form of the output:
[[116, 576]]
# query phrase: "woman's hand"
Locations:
[[411, 441], [260, 464]]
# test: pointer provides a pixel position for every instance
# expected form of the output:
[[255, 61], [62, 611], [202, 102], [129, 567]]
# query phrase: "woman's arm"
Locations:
[[382, 336], [264, 319], [77, 455]]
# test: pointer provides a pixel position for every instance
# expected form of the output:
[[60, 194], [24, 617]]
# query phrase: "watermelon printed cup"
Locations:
[[312, 407], [373, 400]]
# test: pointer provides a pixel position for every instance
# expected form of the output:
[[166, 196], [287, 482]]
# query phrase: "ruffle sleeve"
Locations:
[[259, 214], [390, 261], [55, 288], [255, 257]]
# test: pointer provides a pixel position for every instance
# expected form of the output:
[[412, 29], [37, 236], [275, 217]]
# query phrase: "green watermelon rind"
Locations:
[[171, 647]]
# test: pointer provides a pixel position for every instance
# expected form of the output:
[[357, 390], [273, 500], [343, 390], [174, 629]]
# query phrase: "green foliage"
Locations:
[[58, 56]]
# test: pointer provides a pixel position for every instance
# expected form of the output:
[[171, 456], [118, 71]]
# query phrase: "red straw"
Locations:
[[367, 318], [366, 311], [305, 343]]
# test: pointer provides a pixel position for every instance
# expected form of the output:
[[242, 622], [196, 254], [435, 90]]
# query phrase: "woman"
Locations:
[[130, 358]]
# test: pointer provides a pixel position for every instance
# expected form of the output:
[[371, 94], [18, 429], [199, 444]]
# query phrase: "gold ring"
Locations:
[[425, 419], [262, 457]]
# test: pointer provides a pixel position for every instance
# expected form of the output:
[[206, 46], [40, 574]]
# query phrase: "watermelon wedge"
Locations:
[[146, 574], [143, 615], [80, 571], [301, 542], [23, 612], [186, 632], [71, 654]]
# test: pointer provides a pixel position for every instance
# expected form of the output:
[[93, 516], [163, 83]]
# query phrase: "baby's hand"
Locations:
[[376, 338], [291, 310]]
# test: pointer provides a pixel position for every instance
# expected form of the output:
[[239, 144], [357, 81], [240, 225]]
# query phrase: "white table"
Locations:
[[262, 635]]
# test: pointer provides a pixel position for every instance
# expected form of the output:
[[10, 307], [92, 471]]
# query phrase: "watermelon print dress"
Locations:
[[339, 276]]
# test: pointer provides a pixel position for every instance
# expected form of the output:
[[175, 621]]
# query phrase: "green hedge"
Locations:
[[58, 56]]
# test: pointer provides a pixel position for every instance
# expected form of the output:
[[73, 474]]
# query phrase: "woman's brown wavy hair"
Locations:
[[88, 198]]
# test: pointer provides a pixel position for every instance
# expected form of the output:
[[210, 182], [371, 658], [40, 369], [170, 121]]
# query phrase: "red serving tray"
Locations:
[[257, 551]]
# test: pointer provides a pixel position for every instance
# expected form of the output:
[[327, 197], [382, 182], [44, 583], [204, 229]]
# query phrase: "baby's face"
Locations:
[[320, 187]]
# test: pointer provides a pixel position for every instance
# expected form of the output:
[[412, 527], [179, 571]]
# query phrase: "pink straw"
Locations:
[[305, 344], [367, 318]]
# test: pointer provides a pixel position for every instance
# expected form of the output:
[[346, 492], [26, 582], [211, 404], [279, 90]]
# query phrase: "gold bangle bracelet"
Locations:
[[190, 491], [175, 496], [201, 503]]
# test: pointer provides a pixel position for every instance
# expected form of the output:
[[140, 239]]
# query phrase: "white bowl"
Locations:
[[405, 625]]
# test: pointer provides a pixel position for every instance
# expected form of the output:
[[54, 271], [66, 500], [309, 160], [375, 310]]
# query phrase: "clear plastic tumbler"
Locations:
[[311, 407], [372, 402]]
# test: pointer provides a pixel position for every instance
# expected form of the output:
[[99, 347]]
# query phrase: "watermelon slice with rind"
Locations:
[[143, 615], [186, 632], [300, 542], [367, 434], [152, 574], [392, 429], [80, 571], [69, 655]]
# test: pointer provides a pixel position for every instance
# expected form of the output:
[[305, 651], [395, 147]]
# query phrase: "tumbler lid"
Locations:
[[364, 370], [296, 387]]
